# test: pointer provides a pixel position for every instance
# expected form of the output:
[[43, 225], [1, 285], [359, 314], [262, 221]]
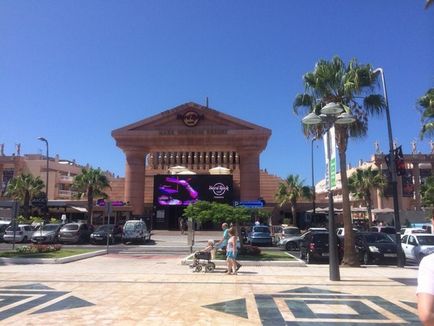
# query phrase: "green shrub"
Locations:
[[250, 250], [39, 248]]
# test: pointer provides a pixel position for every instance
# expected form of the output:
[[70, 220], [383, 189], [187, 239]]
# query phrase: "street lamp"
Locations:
[[331, 114], [392, 166], [46, 180]]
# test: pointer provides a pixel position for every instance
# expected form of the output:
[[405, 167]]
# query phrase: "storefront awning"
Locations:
[[79, 209]]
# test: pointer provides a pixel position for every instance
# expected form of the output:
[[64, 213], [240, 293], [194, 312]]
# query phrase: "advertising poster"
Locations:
[[183, 190]]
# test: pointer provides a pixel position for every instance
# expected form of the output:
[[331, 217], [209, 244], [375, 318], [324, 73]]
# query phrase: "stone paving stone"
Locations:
[[160, 291]]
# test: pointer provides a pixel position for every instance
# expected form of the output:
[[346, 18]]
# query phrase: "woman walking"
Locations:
[[231, 253]]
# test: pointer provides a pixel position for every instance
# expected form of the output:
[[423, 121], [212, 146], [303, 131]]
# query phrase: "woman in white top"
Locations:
[[231, 253]]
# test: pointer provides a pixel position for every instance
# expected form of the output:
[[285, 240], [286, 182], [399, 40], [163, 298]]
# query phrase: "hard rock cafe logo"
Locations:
[[218, 189], [191, 118]]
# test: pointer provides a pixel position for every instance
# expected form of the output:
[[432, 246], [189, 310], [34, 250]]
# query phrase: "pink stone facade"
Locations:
[[196, 137]]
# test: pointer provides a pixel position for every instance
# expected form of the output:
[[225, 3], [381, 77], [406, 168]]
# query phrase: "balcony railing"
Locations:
[[66, 193], [66, 178]]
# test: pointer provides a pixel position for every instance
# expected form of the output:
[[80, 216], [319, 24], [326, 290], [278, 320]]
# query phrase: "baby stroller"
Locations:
[[202, 260]]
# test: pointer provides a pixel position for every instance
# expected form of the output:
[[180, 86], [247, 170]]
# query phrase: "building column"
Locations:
[[249, 175], [135, 180]]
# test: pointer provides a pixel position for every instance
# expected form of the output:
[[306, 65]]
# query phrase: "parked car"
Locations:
[[23, 233], [376, 247], [3, 226], [290, 231], [114, 233], [48, 233], [383, 229], [135, 231], [75, 233], [412, 230], [260, 235], [314, 246], [417, 246]]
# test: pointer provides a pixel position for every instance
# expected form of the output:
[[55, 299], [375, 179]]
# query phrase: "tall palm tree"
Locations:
[[90, 183], [362, 182], [290, 191], [426, 106], [352, 87], [23, 188]]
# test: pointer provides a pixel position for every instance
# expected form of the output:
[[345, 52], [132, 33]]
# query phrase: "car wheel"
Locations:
[[24, 239], [366, 259], [419, 258]]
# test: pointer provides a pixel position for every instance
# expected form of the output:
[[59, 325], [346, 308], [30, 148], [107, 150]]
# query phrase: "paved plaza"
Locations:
[[155, 289]]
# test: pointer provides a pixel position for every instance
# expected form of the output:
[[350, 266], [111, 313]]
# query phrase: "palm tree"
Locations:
[[90, 183], [426, 106], [362, 182], [23, 188], [352, 87], [290, 191], [427, 192]]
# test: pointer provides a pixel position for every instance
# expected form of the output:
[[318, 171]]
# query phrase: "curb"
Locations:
[[276, 263], [64, 260]]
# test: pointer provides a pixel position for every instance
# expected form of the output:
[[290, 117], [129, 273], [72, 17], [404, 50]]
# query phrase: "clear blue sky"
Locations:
[[72, 71]]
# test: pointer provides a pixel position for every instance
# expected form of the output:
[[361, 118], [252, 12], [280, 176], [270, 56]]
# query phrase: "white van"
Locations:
[[135, 231]]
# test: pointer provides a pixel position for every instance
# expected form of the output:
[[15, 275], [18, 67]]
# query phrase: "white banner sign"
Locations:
[[330, 154]]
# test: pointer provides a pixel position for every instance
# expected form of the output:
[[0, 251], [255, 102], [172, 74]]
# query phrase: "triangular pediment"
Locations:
[[189, 116]]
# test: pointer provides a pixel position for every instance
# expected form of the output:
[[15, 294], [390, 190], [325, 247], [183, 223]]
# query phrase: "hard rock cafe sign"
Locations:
[[190, 118]]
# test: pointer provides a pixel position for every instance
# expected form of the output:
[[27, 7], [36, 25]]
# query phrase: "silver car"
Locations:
[[48, 233], [417, 246], [23, 233]]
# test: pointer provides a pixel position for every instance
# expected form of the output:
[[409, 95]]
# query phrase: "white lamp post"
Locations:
[[331, 114]]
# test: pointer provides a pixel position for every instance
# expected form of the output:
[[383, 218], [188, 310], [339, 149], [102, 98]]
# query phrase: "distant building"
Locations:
[[60, 178], [418, 168]]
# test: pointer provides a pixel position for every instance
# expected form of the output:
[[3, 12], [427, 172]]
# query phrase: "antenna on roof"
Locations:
[[207, 102]]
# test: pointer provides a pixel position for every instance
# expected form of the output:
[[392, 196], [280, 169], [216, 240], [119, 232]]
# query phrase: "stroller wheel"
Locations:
[[198, 268], [210, 267]]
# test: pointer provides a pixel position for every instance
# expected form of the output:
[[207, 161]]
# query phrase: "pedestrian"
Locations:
[[181, 224], [224, 240], [231, 253], [425, 289], [221, 245]]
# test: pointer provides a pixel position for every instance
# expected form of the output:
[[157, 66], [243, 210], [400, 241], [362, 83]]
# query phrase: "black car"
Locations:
[[376, 247], [314, 246], [383, 229], [100, 235]]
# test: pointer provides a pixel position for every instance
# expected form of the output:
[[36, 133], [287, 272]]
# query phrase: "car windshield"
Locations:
[[50, 227], [105, 228], [262, 229], [378, 238], [427, 240], [291, 231], [11, 228], [133, 226], [70, 227]]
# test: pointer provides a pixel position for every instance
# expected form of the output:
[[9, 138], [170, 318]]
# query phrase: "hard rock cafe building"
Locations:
[[190, 153]]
